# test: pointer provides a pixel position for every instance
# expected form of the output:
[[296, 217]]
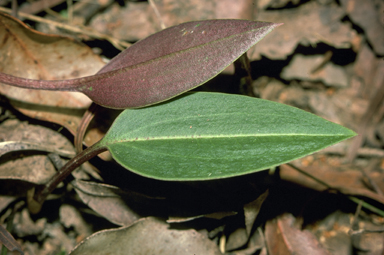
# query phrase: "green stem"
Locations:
[[68, 168]]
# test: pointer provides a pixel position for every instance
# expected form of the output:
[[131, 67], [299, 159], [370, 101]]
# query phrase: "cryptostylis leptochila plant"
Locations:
[[196, 136]]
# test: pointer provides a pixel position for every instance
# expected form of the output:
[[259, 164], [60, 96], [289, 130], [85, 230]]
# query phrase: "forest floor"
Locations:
[[327, 59]]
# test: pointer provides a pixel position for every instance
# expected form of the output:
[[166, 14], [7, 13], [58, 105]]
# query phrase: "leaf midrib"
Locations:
[[194, 137], [187, 49], [113, 73], [132, 145], [184, 118]]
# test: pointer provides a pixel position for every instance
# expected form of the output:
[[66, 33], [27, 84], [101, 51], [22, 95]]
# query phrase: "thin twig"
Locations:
[[326, 59], [154, 7]]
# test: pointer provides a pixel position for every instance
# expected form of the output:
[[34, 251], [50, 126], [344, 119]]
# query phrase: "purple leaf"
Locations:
[[163, 65]]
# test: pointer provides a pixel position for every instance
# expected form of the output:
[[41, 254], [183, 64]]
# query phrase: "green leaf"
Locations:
[[205, 136], [163, 65]]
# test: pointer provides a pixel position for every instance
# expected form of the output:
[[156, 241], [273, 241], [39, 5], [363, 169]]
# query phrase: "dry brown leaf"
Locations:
[[256, 242], [252, 209], [173, 12], [364, 68], [285, 239], [370, 119], [308, 24], [30, 54], [30, 167], [301, 68], [366, 14], [12, 146], [138, 20], [236, 239], [133, 22], [349, 182], [147, 236], [242, 235], [105, 200]]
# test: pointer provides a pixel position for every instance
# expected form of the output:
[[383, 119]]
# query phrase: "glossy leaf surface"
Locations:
[[163, 65], [205, 136]]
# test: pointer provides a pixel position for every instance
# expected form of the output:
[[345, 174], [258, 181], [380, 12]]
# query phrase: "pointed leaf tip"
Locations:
[[205, 136]]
